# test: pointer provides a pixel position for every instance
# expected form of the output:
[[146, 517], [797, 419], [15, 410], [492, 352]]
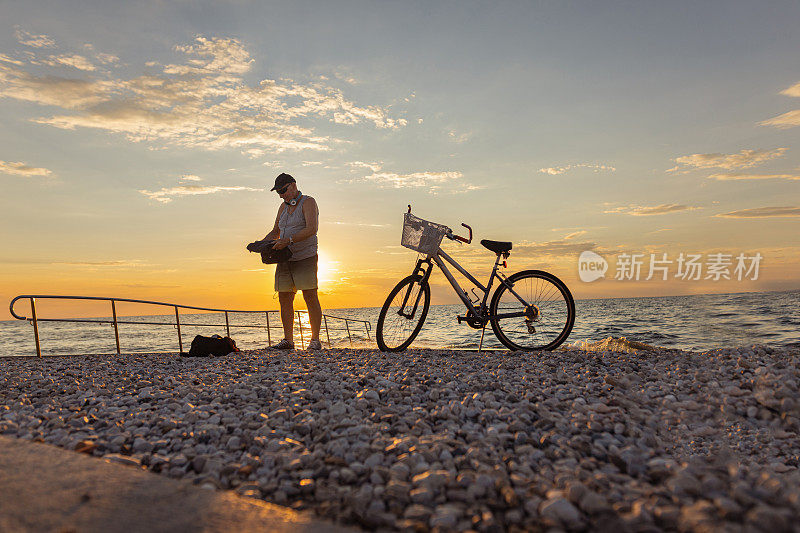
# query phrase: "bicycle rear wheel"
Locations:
[[403, 314], [541, 321]]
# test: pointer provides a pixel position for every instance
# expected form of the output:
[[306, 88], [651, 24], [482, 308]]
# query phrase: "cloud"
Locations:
[[764, 212], [554, 171], [212, 56], [35, 41], [575, 234], [416, 179], [190, 177], [4, 58], [55, 91], [742, 159], [786, 120], [167, 194], [742, 176], [459, 188], [107, 264], [554, 248], [75, 61], [374, 167], [638, 210], [458, 137], [436, 182], [567, 246], [107, 59], [393, 180], [203, 102], [794, 90], [21, 169]]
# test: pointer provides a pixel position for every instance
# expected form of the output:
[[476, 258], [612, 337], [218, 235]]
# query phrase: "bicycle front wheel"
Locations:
[[403, 314], [536, 314]]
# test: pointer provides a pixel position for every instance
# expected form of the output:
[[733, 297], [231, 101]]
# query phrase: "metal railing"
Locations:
[[177, 324]]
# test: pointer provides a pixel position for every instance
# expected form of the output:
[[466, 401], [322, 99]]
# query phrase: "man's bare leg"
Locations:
[[287, 314], [314, 311]]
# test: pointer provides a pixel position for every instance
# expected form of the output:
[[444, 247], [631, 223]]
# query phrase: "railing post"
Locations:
[[35, 327], [116, 329], [327, 331], [178, 323], [347, 324], [227, 326], [269, 339], [366, 328], [300, 323]]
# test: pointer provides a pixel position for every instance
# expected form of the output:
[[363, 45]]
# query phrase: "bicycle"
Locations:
[[530, 310]]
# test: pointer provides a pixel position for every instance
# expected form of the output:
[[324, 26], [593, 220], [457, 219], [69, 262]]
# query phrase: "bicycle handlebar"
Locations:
[[470, 233], [450, 235]]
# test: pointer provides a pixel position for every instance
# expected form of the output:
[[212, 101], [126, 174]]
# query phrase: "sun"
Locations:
[[327, 268]]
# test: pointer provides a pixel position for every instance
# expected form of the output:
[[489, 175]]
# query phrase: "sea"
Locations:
[[695, 323]]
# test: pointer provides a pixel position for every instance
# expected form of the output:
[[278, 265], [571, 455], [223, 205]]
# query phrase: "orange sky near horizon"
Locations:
[[341, 286]]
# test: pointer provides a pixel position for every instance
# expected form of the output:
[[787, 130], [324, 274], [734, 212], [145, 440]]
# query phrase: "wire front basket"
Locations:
[[422, 236]]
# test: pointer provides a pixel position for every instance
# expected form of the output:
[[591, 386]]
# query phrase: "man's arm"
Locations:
[[276, 231], [311, 214]]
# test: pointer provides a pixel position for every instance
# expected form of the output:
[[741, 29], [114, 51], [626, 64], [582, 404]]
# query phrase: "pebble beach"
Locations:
[[630, 440]]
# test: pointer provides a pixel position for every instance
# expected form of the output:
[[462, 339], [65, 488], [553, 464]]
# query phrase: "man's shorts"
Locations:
[[292, 276]]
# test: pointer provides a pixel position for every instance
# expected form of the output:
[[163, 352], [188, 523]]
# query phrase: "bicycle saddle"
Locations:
[[498, 247]]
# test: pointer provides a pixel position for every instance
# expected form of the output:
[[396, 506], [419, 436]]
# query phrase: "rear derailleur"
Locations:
[[531, 316]]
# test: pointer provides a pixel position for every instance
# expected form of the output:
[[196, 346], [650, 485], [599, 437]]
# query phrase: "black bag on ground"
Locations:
[[215, 345], [268, 255]]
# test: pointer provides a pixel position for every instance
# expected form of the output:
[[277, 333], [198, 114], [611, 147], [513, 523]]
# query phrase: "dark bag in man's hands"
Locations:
[[268, 254], [276, 256], [215, 345]]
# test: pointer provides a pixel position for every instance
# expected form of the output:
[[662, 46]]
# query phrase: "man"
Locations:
[[296, 227]]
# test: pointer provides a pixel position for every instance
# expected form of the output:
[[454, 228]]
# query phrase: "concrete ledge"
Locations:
[[44, 488]]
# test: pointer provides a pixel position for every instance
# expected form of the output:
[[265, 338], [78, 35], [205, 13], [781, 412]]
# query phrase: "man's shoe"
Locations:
[[314, 345], [283, 345]]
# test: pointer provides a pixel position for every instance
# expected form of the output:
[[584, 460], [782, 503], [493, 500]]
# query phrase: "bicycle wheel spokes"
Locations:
[[539, 316], [403, 314]]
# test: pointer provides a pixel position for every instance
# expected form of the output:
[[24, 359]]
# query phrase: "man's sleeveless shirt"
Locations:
[[290, 224]]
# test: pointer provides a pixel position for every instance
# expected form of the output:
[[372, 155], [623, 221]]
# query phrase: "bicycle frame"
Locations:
[[439, 258]]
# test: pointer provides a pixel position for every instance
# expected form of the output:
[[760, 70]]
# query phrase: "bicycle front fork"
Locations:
[[423, 269]]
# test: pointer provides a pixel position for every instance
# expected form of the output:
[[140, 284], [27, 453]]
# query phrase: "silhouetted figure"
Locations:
[[296, 227]]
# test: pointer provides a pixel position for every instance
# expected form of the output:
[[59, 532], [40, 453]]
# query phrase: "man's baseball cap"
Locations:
[[282, 181]]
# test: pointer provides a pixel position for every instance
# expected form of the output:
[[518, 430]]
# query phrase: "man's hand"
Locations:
[[280, 244]]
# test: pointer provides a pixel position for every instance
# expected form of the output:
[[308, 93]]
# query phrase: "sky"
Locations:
[[139, 141]]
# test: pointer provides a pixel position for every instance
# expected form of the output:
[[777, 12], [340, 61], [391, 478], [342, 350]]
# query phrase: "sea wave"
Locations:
[[617, 344]]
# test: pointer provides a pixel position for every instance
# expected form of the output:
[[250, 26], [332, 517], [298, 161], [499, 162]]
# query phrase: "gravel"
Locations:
[[640, 440]]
